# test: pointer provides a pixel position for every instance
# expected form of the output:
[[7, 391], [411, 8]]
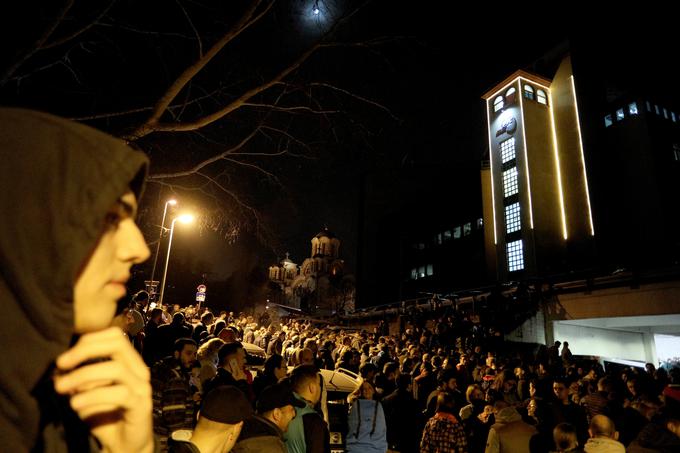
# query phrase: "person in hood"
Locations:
[[68, 197], [509, 433]]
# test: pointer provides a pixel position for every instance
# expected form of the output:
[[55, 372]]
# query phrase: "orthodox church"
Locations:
[[320, 284]]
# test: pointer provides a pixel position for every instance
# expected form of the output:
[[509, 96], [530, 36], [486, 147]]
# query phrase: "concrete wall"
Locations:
[[532, 331], [606, 343]]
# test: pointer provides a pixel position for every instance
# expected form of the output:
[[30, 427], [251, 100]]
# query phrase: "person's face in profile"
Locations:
[[107, 269]]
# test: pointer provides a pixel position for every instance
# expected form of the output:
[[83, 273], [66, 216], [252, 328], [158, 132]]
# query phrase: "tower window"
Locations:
[[447, 235], [510, 186], [429, 270], [498, 103], [512, 218], [607, 120], [529, 92], [541, 97], [632, 108], [665, 113], [414, 274], [656, 109], [510, 95], [480, 223], [508, 150], [515, 255], [620, 115], [456, 232], [467, 228], [421, 272], [676, 152], [673, 116]]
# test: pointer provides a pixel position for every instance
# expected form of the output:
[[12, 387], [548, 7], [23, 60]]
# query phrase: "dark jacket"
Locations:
[[404, 423], [259, 435], [58, 179], [173, 404], [223, 377]]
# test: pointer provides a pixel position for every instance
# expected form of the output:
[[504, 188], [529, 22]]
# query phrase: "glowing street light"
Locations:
[[171, 202], [316, 9], [185, 218]]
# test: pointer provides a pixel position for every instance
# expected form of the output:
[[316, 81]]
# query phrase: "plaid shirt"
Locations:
[[443, 434], [173, 405]]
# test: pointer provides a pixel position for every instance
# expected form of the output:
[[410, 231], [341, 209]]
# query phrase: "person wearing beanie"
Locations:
[[220, 420], [264, 431]]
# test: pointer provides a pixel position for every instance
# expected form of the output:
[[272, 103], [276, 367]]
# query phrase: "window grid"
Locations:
[[515, 256], [512, 218], [508, 150], [632, 108], [498, 103], [510, 185], [529, 92], [541, 97]]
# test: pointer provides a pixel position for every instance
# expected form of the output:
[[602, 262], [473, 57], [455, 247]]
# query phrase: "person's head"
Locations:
[[404, 382], [604, 384], [391, 370], [446, 403], [368, 371], [220, 418], [560, 389], [305, 356], [532, 407], [209, 349], [447, 380], [565, 437], [565, 344], [229, 352], [156, 315], [474, 393], [178, 318], [185, 352], [276, 366], [602, 426], [364, 391], [277, 404], [207, 318], [305, 381]]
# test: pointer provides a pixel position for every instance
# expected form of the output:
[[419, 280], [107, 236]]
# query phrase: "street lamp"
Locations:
[[186, 218], [170, 202]]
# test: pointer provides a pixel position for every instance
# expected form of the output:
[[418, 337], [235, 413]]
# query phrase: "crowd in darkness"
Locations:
[[438, 382]]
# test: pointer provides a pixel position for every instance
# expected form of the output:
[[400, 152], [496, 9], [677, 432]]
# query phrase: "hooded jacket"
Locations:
[[58, 179], [603, 445]]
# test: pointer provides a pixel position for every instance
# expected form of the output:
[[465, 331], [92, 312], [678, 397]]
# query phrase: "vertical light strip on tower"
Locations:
[[583, 160], [557, 166], [493, 198], [520, 94]]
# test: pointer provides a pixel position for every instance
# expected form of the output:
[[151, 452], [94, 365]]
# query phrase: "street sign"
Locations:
[[200, 297], [201, 288]]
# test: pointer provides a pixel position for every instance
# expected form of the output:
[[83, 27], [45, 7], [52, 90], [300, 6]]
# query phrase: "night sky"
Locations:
[[425, 64]]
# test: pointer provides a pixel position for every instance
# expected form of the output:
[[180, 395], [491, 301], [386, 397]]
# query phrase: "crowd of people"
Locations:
[[443, 384]]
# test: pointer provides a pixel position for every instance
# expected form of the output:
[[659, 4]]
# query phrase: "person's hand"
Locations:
[[113, 394]]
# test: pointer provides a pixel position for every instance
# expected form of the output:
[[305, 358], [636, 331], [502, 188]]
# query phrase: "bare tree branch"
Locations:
[[150, 125], [289, 109], [356, 96], [80, 31], [191, 24], [206, 162], [21, 58]]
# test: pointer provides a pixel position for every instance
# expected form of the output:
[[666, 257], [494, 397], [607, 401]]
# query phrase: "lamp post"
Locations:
[[171, 202], [186, 218]]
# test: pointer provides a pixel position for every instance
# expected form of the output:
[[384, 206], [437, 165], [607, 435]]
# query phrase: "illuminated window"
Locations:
[[529, 92], [480, 223], [438, 238], [467, 228], [673, 116], [632, 108], [512, 218], [510, 91], [508, 150], [676, 152], [414, 274], [649, 106], [498, 103], [620, 115], [421, 272], [515, 256], [510, 186], [541, 97], [607, 120], [456, 232], [665, 113], [429, 270], [656, 109], [447, 235]]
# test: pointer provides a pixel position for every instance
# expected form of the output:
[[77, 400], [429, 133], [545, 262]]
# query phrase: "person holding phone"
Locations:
[[231, 370], [68, 240]]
